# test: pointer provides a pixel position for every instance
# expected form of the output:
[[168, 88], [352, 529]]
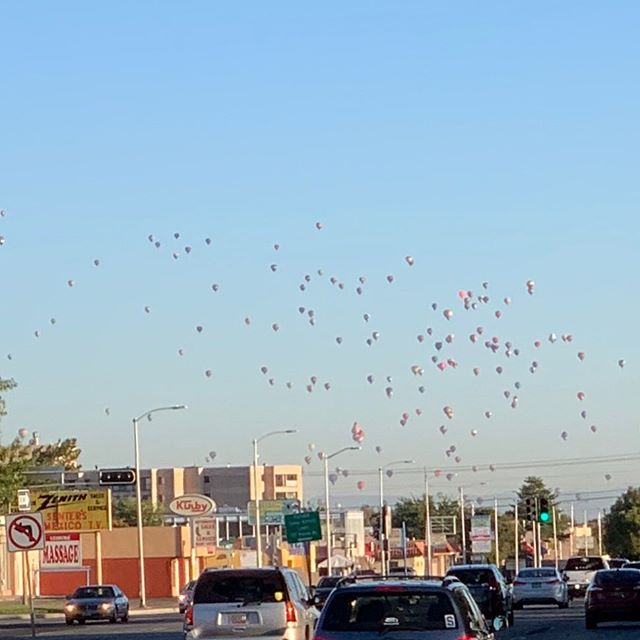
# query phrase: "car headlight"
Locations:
[[69, 607], [105, 606]]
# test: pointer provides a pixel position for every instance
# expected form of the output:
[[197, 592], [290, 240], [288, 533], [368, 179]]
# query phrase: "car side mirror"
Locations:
[[315, 600], [498, 623]]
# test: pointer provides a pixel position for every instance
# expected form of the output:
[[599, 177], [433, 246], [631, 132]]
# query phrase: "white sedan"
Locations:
[[543, 585]]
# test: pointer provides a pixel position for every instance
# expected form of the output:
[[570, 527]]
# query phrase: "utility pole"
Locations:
[[516, 538], [495, 506]]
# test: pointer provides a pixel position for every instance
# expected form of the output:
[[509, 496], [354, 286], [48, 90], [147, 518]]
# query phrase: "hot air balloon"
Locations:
[[448, 411], [580, 395], [389, 473], [581, 355], [208, 373], [448, 314], [319, 225], [409, 260], [378, 449], [564, 435], [360, 484]]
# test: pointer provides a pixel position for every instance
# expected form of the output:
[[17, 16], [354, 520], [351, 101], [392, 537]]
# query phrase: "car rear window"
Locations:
[[617, 577], [93, 592], [632, 565], [239, 586], [473, 576], [584, 564], [418, 610], [537, 573], [328, 582]]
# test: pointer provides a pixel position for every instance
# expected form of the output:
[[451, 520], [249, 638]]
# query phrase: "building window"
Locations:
[[292, 476], [207, 479], [286, 495], [280, 481]]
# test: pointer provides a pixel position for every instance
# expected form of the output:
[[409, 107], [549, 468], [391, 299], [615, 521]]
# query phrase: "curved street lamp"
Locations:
[[136, 446], [256, 492], [381, 540], [326, 459]]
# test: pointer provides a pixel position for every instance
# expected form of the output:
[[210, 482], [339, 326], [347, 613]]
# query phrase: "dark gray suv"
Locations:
[[419, 609]]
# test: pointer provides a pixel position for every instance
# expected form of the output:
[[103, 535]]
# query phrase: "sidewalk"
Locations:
[[155, 606]]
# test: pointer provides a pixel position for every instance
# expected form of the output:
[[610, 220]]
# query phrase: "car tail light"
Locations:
[[465, 637], [188, 615], [291, 612]]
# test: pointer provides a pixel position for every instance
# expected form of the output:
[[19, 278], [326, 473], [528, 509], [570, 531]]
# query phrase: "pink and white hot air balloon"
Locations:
[[361, 485]]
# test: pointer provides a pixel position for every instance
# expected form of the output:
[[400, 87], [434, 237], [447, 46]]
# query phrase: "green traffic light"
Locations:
[[544, 517]]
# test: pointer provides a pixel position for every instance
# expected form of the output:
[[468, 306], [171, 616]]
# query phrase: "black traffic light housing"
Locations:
[[544, 513], [530, 511], [109, 477]]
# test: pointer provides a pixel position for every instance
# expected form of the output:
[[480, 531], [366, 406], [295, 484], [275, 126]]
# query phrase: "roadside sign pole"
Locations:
[[194, 557], [307, 557], [27, 572], [98, 541]]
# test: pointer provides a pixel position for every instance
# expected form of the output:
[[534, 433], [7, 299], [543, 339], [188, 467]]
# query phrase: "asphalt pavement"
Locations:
[[532, 623]]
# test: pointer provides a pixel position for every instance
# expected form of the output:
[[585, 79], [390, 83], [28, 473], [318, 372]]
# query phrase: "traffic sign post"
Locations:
[[303, 527], [24, 500], [25, 532]]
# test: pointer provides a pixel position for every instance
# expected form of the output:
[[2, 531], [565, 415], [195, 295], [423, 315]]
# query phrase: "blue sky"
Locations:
[[489, 141]]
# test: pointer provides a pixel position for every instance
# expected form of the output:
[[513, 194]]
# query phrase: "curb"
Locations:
[[134, 613]]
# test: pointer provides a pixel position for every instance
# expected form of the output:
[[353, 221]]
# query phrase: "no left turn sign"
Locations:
[[25, 532]]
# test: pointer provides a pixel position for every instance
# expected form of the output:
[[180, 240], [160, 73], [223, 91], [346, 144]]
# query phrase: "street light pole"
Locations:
[[136, 447], [257, 490], [427, 524], [382, 537], [464, 532], [326, 459]]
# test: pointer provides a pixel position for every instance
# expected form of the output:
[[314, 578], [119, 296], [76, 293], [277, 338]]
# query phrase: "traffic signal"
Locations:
[[530, 509], [108, 477], [544, 514]]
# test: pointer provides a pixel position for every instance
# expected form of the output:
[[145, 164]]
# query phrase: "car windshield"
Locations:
[[473, 576], [584, 564], [631, 565], [388, 610], [93, 592], [239, 586], [617, 577], [537, 573]]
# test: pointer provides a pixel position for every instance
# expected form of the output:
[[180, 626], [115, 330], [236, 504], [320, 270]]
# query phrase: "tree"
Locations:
[[125, 513], [19, 463], [20, 459], [534, 487], [622, 525]]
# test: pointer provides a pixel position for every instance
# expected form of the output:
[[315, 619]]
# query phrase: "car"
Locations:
[[417, 609], [325, 586], [270, 602], [617, 563], [613, 595], [488, 587], [543, 585], [96, 602], [184, 598], [631, 565], [579, 570]]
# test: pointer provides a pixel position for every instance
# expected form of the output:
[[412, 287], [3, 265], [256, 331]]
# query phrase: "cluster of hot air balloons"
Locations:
[[441, 352]]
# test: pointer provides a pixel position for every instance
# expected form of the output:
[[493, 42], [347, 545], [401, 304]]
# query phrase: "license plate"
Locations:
[[240, 619]]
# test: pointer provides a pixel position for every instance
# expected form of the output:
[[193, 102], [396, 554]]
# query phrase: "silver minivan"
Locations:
[[272, 603]]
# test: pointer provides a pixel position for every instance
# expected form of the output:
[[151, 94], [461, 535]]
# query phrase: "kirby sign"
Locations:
[[192, 505]]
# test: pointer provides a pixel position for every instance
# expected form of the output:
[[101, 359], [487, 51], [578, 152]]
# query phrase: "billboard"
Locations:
[[73, 509], [61, 551], [481, 535]]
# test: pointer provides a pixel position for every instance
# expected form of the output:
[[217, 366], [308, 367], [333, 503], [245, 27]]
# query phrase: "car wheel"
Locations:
[[125, 617], [590, 622], [68, 620], [113, 618], [81, 620]]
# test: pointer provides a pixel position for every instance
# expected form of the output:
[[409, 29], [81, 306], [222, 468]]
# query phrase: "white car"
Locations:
[[544, 585], [579, 570]]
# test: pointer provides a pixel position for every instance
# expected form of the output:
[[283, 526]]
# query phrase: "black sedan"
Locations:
[[96, 602]]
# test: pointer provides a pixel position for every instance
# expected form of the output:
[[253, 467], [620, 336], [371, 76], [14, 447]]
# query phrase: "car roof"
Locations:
[[96, 586], [467, 567], [374, 585]]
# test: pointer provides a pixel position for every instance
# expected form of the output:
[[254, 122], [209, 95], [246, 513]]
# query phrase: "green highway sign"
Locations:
[[303, 527]]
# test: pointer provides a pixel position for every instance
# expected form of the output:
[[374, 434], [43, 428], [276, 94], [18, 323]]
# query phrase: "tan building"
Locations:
[[228, 486]]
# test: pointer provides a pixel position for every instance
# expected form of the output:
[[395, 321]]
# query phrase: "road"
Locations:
[[540, 623]]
